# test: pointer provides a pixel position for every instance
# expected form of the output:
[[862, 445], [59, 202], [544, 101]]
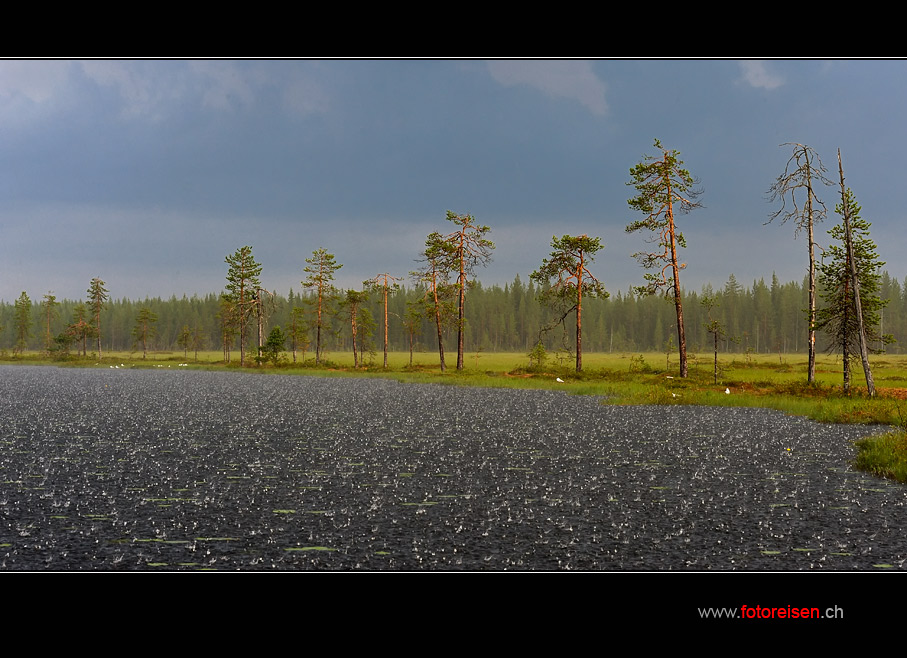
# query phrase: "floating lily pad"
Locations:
[[310, 548]]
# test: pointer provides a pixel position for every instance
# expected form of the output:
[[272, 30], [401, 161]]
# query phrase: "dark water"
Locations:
[[174, 470]]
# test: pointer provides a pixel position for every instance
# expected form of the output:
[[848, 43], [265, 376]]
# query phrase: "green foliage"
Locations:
[[51, 313], [714, 327], [320, 276], [638, 365], [185, 339], [80, 330], [144, 329], [367, 327], [883, 456], [63, 342], [353, 302], [506, 318], [565, 279], [23, 322], [838, 318], [241, 298], [412, 325], [469, 247], [437, 303], [565, 276], [228, 323], [384, 284], [270, 351], [538, 355], [97, 302], [299, 333], [663, 184]]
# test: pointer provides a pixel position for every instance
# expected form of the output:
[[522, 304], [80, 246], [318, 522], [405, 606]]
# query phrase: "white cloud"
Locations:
[[36, 80], [155, 89], [572, 79], [303, 96], [757, 75], [224, 84], [145, 88]]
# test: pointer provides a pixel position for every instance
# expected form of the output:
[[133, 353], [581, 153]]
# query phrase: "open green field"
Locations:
[[772, 381]]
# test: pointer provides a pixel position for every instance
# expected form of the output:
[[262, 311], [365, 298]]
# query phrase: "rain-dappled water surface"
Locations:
[[167, 470]]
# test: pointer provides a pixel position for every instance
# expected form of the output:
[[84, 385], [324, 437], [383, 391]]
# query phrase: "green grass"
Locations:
[[770, 381], [883, 456]]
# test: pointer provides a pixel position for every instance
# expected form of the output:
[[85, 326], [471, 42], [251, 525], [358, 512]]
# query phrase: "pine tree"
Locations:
[[184, 340], [50, 305], [80, 330], [320, 269], [242, 287], [839, 316], [663, 184], [470, 248], [144, 329], [97, 302], [299, 334], [566, 278], [354, 299], [438, 262], [23, 322]]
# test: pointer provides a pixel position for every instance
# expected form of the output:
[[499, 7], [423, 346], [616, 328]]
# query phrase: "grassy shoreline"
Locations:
[[769, 381]]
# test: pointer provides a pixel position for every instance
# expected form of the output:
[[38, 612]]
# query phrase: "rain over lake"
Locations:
[[169, 469]]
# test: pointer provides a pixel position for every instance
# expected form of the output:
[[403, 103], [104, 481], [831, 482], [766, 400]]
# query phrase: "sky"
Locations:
[[148, 174]]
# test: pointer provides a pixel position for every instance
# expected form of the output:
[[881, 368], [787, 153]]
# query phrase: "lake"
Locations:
[[170, 469]]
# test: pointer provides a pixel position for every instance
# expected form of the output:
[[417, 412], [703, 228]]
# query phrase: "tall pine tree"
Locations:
[[242, 285], [839, 316]]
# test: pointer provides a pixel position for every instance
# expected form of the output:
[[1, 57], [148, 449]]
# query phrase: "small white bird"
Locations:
[[561, 381], [727, 391]]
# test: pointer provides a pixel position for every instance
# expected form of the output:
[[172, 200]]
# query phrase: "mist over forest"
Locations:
[[762, 316]]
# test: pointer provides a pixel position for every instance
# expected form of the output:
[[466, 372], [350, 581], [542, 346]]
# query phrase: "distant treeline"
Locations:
[[761, 318]]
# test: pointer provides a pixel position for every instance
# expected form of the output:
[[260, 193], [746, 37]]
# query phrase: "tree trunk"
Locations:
[[716, 358], [434, 290], [385, 321], [318, 331], [678, 304], [811, 329], [260, 321], [579, 314], [462, 307], [440, 339], [855, 279], [845, 351], [353, 312]]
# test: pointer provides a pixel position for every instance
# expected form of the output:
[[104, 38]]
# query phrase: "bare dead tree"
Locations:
[[795, 188], [261, 312]]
